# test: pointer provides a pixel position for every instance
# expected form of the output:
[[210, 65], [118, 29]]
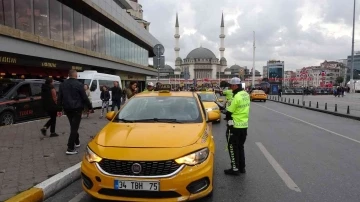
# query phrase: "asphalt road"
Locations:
[[351, 100], [292, 154]]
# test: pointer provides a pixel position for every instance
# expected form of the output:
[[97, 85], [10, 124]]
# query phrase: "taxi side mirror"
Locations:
[[110, 115], [220, 100]]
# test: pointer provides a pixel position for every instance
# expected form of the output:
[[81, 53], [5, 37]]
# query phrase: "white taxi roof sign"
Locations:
[[164, 87]]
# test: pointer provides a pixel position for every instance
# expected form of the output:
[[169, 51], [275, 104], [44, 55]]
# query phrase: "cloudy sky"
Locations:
[[300, 32]]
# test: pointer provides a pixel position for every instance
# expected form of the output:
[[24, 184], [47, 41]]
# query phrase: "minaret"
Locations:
[[177, 37], [222, 37]]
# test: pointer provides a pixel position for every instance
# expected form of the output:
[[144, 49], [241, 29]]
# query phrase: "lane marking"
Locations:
[[316, 126], [78, 197], [280, 171]]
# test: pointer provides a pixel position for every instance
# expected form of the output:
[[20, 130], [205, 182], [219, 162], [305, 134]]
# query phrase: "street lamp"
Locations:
[[352, 53], [177, 72]]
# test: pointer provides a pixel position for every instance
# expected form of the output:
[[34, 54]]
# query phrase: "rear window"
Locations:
[[259, 92]]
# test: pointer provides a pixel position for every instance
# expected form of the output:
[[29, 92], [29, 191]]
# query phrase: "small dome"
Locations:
[[223, 59], [201, 53], [235, 67], [177, 69], [227, 70], [168, 67], [178, 59]]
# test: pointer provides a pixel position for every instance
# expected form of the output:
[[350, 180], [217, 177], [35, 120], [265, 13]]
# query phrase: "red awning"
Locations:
[[64, 73], [53, 73], [2, 71], [16, 70], [37, 71]]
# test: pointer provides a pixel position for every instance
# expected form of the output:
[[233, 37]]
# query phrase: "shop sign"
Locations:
[[77, 68], [8, 60], [48, 64]]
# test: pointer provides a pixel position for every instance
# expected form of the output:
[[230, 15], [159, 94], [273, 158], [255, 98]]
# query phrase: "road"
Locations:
[[351, 100], [292, 154]]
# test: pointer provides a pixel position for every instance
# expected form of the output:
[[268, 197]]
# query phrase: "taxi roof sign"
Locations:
[[164, 88]]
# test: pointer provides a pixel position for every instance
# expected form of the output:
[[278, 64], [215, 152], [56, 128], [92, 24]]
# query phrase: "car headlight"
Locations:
[[91, 156], [194, 158]]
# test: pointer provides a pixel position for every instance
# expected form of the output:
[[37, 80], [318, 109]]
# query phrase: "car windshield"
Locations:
[[85, 81], [5, 87], [207, 97], [258, 92], [161, 109]]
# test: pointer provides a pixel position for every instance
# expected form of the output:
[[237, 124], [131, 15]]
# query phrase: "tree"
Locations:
[[339, 79]]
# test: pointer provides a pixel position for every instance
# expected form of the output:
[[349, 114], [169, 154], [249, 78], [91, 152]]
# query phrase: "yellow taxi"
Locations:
[[158, 147], [258, 95], [208, 98]]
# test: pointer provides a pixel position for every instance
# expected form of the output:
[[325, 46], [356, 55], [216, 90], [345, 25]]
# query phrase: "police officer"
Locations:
[[237, 117]]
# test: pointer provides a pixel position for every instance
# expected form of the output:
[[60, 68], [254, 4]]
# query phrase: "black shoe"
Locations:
[[231, 172], [54, 135], [71, 152], [242, 170], [43, 131]]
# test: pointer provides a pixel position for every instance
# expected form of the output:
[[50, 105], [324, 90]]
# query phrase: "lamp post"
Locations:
[[352, 53], [177, 72]]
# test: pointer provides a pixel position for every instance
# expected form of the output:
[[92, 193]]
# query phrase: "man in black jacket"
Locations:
[[72, 98], [116, 94]]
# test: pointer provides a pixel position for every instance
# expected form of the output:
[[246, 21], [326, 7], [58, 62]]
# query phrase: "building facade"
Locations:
[[48, 37], [136, 12]]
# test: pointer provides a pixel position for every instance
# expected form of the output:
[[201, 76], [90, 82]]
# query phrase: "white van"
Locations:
[[95, 81]]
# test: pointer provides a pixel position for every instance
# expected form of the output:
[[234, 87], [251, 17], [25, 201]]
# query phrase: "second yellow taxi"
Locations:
[[208, 98], [158, 147], [258, 95]]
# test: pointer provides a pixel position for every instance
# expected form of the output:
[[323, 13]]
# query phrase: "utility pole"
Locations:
[[352, 53], [253, 70]]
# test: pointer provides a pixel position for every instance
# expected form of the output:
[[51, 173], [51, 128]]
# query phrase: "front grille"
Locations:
[[139, 194], [148, 168]]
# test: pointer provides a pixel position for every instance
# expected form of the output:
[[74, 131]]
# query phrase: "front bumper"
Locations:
[[172, 188]]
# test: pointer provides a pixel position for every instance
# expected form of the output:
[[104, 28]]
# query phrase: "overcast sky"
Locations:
[[300, 32]]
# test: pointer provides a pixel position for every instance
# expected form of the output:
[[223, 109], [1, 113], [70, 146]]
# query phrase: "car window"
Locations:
[[258, 92], [207, 97], [36, 89], [6, 86], [24, 89], [181, 109], [93, 86]]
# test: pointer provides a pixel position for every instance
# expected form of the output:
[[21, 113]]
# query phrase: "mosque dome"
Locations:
[[201, 53]]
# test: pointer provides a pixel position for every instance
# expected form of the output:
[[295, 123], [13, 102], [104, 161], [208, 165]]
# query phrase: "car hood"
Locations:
[[209, 105], [149, 135]]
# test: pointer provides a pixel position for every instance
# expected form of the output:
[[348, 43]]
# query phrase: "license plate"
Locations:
[[137, 185]]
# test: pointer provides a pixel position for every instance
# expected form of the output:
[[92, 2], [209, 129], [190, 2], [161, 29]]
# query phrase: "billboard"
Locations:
[[276, 73]]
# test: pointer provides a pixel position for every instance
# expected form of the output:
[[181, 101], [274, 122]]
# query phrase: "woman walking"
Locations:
[[86, 111], [49, 100]]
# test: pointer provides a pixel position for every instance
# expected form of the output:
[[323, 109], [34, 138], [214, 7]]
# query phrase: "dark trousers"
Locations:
[[74, 120], [52, 121], [115, 103], [236, 138]]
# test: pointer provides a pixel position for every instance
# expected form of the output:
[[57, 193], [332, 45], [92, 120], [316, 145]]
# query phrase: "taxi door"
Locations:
[[37, 104], [24, 102]]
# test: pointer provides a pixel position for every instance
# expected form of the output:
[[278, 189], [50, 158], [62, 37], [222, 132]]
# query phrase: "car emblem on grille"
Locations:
[[136, 168]]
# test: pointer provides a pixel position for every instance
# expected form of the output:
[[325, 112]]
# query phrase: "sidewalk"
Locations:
[[28, 158], [351, 100]]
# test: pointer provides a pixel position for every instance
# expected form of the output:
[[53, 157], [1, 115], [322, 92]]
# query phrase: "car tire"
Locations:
[[264, 100], [7, 118]]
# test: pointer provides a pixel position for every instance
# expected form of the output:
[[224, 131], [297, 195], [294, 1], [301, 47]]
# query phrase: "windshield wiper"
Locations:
[[124, 120], [158, 120]]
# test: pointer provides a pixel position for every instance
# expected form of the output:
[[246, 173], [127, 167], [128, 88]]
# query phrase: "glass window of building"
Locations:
[[117, 46], [8, 7], [113, 41], [41, 18], [108, 41], [78, 30], [102, 43], [122, 52], [2, 17], [68, 24], [55, 20], [126, 51], [94, 36], [87, 32], [23, 15]]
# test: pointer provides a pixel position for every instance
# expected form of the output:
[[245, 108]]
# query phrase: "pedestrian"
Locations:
[[73, 99], [116, 94], [150, 87], [131, 90], [105, 97], [49, 102], [86, 111], [237, 117]]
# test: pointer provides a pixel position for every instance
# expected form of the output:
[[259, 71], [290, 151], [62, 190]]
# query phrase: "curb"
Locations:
[[49, 187], [320, 110]]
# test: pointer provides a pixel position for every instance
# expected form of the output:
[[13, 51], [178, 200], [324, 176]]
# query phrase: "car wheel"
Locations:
[[6, 118], [264, 100]]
